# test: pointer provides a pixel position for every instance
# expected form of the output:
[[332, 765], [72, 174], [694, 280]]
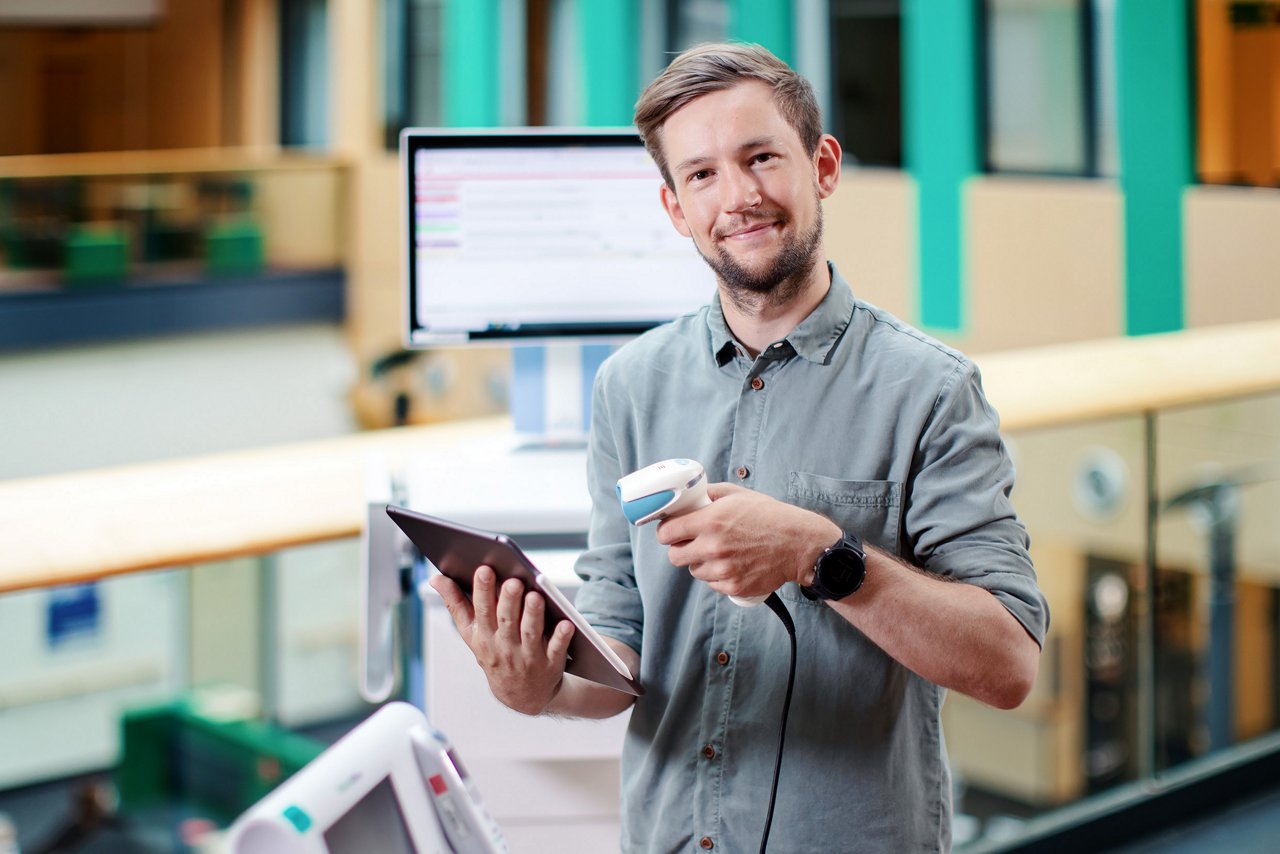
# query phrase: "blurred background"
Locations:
[[200, 251]]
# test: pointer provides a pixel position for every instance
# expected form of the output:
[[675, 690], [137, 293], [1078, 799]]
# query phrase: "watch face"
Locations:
[[841, 570]]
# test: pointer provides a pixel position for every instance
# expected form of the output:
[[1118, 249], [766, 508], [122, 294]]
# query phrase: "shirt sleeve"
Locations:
[[608, 598], [959, 519]]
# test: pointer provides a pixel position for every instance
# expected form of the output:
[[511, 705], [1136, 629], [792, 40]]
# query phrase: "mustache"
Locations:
[[741, 222]]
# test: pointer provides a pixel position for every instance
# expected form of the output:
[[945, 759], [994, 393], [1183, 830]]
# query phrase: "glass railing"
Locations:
[[1155, 539], [135, 706], [1154, 535]]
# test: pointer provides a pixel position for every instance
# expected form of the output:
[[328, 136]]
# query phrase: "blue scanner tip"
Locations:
[[639, 508]]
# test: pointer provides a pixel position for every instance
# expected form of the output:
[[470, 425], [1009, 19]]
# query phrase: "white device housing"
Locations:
[[391, 785], [666, 489], [684, 479], [382, 549]]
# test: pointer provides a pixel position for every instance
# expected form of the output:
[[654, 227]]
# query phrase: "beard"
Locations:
[[779, 280]]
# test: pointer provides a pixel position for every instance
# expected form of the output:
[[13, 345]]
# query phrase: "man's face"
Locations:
[[746, 191]]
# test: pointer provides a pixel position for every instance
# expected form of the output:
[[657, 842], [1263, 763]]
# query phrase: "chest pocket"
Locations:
[[871, 509]]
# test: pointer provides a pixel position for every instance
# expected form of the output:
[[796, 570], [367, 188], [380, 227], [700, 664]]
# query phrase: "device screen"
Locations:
[[457, 764], [375, 823]]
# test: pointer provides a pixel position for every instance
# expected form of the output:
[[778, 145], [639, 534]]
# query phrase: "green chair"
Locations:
[[234, 248], [95, 254]]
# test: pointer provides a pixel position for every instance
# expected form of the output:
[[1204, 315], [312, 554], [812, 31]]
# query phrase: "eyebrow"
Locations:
[[700, 159]]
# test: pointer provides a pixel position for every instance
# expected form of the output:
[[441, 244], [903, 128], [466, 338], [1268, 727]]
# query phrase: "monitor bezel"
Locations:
[[412, 140]]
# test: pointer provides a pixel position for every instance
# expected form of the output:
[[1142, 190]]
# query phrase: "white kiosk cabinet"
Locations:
[[551, 784]]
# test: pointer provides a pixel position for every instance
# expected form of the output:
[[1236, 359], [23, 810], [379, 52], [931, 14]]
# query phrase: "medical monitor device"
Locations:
[[392, 785], [537, 234]]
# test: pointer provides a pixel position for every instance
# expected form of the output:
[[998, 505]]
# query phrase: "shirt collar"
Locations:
[[813, 338]]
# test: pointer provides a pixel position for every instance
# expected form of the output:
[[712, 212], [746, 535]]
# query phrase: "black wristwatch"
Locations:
[[839, 571]]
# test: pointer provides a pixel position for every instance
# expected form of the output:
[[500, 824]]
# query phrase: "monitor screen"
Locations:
[[540, 234]]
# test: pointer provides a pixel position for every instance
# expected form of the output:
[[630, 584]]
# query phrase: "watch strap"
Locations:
[[818, 590]]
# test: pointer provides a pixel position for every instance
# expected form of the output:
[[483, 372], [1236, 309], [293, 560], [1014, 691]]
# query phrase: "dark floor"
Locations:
[[1245, 827], [42, 813]]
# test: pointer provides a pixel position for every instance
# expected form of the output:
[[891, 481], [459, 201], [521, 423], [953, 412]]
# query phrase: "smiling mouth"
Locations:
[[750, 230]]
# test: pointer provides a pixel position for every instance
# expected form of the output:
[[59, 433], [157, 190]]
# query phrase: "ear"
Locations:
[[672, 206], [826, 161]]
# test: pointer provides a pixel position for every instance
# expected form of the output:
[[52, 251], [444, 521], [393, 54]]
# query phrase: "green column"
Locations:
[[765, 22], [1153, 90], [609, 32], [940, 79], [470, 63]]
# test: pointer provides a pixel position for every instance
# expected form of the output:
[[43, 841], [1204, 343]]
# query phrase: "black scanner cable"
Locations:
[[775, 605]]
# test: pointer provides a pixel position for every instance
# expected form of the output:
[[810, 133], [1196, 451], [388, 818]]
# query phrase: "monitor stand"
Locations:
[[551, 393]]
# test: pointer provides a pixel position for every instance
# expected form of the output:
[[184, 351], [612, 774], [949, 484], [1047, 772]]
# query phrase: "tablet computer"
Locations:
[[456, 550]]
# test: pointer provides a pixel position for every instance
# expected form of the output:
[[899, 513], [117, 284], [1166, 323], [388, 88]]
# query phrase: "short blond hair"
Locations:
[[711, 68]]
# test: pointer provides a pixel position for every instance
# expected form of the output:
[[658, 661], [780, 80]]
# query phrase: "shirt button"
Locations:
[[722, 657], [757, 383], [706, 843], [742, 472], [709, 751]]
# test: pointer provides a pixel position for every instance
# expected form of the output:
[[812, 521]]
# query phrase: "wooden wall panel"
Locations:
[[185, 69], [114, 89]]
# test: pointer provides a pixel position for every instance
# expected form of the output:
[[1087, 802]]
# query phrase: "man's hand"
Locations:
[[746, 543], [504, 632]]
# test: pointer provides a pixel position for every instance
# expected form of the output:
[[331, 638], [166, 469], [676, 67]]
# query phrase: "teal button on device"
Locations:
[[298, 818]]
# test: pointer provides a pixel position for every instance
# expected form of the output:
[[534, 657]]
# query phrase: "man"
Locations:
[[834, 424]]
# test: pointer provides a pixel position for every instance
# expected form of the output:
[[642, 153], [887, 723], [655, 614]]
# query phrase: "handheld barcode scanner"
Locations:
[[666, 489], [679, 486]]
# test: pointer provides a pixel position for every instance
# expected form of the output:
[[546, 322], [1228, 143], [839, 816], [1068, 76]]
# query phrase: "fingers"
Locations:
[[455, 601], [508, 611], [482, 599], [533, 620], [716, 491], [558, 644], [677, 529], [504, 628], [532, 627]]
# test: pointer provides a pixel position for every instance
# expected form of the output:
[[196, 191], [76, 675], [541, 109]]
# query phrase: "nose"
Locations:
[[739, 190]]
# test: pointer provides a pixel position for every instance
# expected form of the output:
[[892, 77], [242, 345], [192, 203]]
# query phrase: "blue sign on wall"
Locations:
[[74, 611]]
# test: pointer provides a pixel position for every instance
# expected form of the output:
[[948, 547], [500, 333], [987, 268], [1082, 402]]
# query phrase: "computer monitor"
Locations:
[[533, 234]]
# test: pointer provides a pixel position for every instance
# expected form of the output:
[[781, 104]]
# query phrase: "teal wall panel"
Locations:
[[470, 65], [940, 82], [1153, 58], [764, 22], [610, 38]]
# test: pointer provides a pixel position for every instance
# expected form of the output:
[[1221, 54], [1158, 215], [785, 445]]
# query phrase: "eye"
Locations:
[[700, 175], [763, 157]]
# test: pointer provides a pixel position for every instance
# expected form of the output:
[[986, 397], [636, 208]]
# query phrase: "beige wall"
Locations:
[[1232, 254], [870, 235], [302, 213], [1044, 262]]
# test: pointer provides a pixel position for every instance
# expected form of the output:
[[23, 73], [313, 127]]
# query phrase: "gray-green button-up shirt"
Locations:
[[870, 423]]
